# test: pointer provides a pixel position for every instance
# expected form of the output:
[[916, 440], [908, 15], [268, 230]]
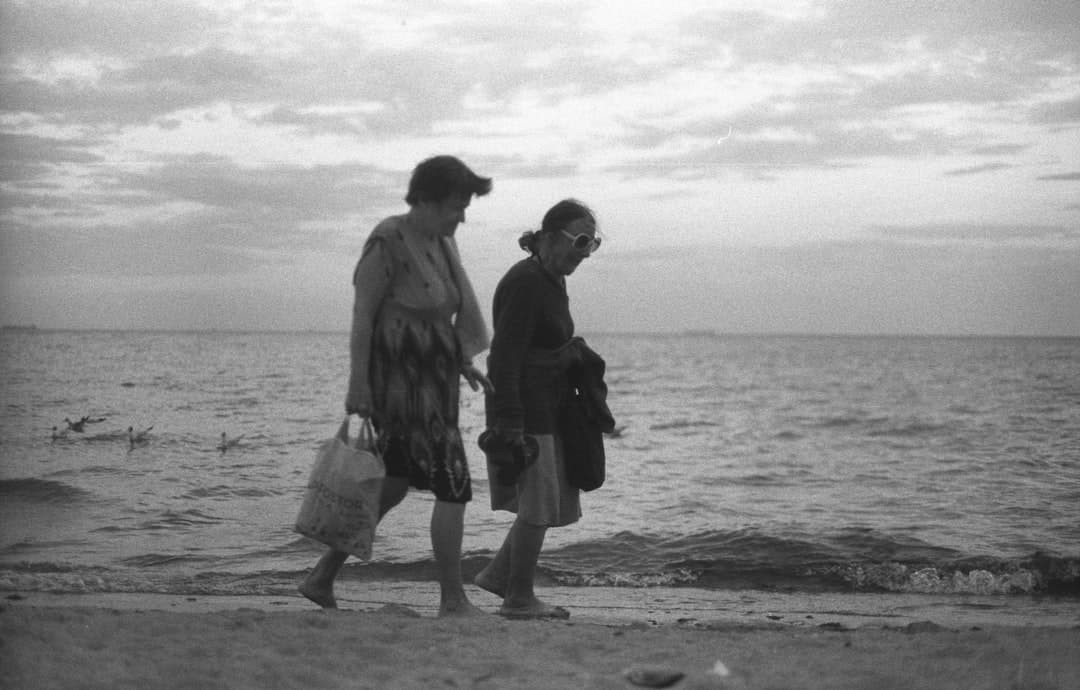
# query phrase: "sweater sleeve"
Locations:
[[371, 282], [515, 318]]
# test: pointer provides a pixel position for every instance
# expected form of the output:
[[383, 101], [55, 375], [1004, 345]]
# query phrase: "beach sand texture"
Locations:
[[169, 641]]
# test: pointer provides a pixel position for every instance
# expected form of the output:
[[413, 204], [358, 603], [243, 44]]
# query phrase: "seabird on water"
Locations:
[[138, 438], [227, 443]]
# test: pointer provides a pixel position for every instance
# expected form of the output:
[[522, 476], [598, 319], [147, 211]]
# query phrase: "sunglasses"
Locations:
[[583, 242]]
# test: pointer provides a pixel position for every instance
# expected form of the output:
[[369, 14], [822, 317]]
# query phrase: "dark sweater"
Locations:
[[531, 311]]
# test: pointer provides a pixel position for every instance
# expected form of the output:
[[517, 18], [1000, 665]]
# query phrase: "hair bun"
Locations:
[[527, 241]]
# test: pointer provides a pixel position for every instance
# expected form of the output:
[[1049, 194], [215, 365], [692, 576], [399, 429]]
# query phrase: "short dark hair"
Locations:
[[564, 213], [557, 218], [441, 177]]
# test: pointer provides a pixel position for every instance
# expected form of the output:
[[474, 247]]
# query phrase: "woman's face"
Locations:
[[443, 217], [566, 249]]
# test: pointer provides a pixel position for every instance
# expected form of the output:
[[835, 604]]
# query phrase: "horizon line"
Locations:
[[691, 332]]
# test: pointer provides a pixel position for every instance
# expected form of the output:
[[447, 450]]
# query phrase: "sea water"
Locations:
[[899, 464]]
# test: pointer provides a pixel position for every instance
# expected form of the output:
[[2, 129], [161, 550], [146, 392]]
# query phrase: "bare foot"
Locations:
[[533, 610], [322, 597], [459, 609], [484, 581]]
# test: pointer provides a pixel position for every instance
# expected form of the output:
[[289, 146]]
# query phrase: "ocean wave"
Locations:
[[682, 424], [24, 546], [228, 491], [1042, 574], [97, 471], [67, 579], [848, 560], [153, 560], [41, 491], [907, 428], [881, 426], [838, 421], [186, 518], [770, 479], [1005, 578]]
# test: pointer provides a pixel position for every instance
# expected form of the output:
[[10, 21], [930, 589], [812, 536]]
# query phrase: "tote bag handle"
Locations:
[[365, 438]]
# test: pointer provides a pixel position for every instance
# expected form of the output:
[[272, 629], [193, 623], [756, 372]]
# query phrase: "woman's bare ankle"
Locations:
[[318, 592], [459, 608], [486, 582]]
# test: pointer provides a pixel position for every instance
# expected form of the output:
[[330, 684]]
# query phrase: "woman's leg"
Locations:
[[494, 576], [319, 584], [447, 527], [516, 564], [515, 560], [520, 601], [525, 543]]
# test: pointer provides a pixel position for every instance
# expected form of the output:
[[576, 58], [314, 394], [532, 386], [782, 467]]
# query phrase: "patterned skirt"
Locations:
[[415, 375]]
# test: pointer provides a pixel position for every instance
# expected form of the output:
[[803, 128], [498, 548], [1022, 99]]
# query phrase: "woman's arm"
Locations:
[[515, 322], [370, 281]]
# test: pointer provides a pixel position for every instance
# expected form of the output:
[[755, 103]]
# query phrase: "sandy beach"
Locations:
[[387, 636]]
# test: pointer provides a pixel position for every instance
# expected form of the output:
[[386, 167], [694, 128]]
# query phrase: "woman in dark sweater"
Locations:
[[527, 367]]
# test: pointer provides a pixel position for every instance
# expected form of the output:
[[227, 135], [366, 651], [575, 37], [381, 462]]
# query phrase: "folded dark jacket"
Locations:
[[586, 376], [568, 395], [585, 418]]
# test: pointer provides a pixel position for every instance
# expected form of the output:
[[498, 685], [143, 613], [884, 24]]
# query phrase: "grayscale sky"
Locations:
[[803, 166]]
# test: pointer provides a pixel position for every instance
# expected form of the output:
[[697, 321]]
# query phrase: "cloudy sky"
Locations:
[[807, 166]]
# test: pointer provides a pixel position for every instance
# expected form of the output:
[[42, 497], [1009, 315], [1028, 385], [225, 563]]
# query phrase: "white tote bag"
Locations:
[[341, 505]]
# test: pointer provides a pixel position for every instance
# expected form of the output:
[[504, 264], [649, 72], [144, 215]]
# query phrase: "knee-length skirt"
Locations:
[[542, 495], [415, 373]]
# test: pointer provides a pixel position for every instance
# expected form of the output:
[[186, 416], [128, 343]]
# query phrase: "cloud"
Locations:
[[1052, 23], [198, 215], [1057, 112], [214, 181], [167, 248], [754, 148], [142, 91], [120, 71], [222, 141], [36, 29], [965, 233], [1062, 177], [349, 82], [213, 68], [868, 287], [978, 169], [316, 123], [874, 81], [26, 158], [204, 217], [1001, 149]]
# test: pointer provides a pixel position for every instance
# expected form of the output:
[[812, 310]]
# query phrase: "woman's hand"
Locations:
[[476, 378], [358, 402]]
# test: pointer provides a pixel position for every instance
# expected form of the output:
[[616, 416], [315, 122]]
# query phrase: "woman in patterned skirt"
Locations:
[[416, 325]]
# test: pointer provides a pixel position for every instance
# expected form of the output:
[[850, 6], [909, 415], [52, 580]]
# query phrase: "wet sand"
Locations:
[[387, 636]]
